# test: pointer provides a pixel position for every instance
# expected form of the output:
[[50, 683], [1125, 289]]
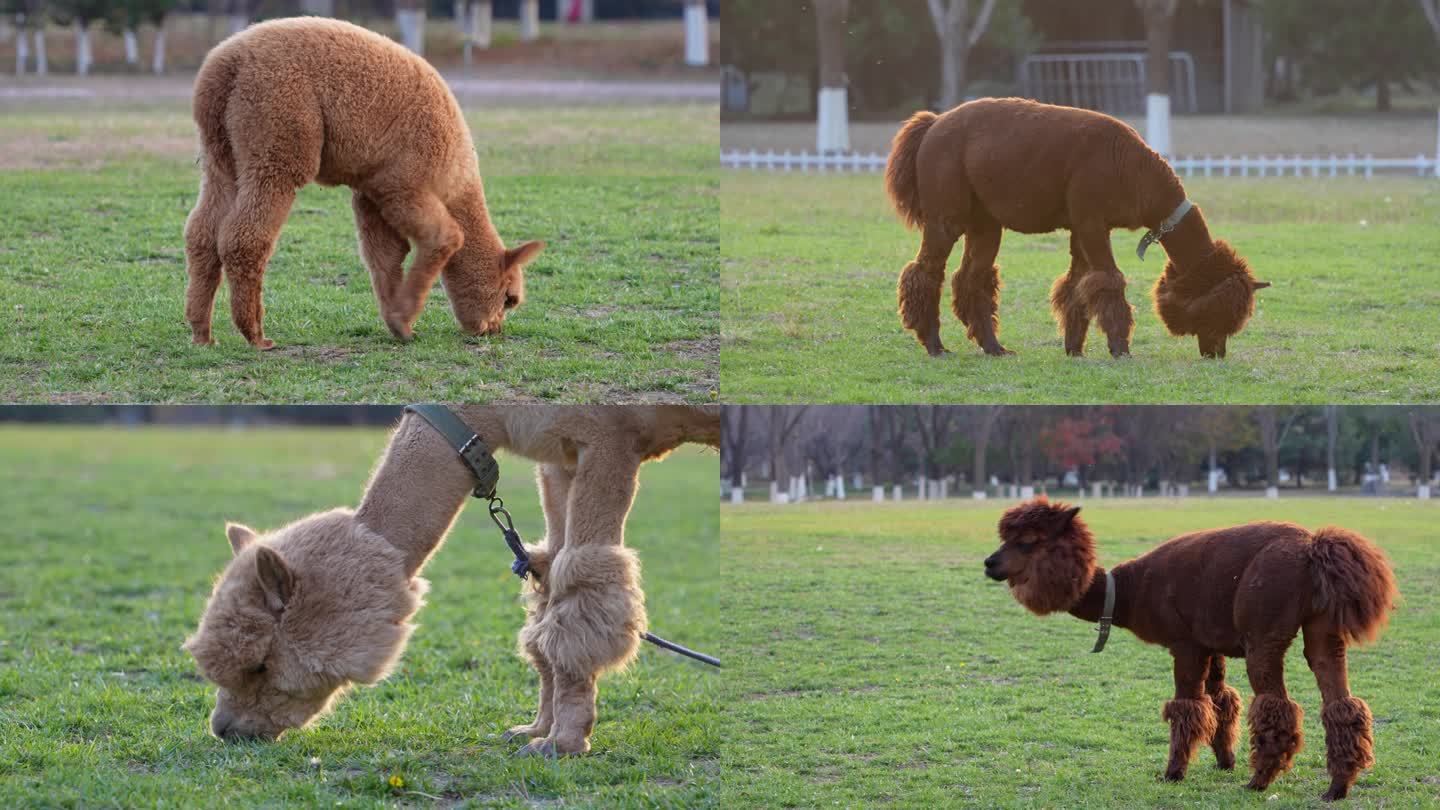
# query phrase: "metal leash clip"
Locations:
[[521, 566]]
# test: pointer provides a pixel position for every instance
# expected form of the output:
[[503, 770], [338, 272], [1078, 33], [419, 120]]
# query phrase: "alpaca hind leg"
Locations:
[[1349, 742], [1103, 290], [1275, 733], [975, 289], [1069, 306], [202, 253], [919, 288], [247, 240], [1191, 714], [1227, 713]]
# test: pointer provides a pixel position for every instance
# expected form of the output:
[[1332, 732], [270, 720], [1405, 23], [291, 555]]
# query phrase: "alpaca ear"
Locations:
[[1069, 515], [1260, 285], [518, 257], [239, 535], [276, 579]]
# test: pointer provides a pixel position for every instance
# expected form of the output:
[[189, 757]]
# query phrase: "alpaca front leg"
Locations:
[[424, 220], [1067, 304], [545, 715], [1103, 290], [1191, 714], [975, 289]]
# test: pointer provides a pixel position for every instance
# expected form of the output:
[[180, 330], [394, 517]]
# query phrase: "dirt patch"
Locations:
[[92, 150], [706, 349], [323, 354]]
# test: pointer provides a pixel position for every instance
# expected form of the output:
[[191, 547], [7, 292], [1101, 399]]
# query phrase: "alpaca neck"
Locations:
[[1092, 603], [1189, 242], [420, 486]]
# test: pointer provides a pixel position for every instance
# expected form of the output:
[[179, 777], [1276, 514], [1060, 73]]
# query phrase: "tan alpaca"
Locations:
[[309, 100], [303, 612]]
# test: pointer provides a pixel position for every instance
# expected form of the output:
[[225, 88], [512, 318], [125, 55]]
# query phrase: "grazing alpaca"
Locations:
[[1033, 168], [303, 612], [1242, 592], [311, 100]]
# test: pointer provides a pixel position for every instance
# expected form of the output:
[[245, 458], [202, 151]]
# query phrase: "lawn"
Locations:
[[880, 666], [111, 540], [811, 261], [622, 305]]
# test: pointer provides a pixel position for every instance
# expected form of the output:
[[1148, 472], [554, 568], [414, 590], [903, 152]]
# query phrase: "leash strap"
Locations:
[[477, 456], [1108, 616], [1151, 237]]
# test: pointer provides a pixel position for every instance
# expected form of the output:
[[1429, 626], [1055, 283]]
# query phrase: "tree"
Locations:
[[734, 441], [80, 14], [127, 17], [1080, 443], [1159, 16], [1431, 9], [957, 33], [1425, 429], [932, 423], [984, 426], [410, 19], [782, 422], [832, 132], [1392, 42]]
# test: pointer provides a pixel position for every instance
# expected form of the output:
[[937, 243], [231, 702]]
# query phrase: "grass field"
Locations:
[[623, 304], [881, 667], [110, 543], [811, 262]]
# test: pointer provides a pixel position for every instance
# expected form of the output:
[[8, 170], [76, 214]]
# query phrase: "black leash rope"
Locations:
[[482, 465]]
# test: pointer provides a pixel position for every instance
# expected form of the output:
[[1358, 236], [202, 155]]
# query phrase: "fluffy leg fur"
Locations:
[[591, 624], [1192, 722], [975, 289], [553, 482], [1275, 737], [202, 252], [247, 241], [423, 220], [1227, 713], [920, 283], [1067, 304], [382, 249], [1104, 295], [1349, 746]]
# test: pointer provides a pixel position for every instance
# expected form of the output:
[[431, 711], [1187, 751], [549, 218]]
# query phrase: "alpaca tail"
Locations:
[[213, 86], [1354, 584], [901, 181]]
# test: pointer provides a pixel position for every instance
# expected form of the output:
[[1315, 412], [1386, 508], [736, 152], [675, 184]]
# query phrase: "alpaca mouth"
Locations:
[[994, 574]]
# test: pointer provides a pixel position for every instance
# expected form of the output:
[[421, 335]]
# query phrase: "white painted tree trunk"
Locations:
[[157, 64], [482, 19], [411, 23], [1013, 491], [737, 495], [899, 494], [697, 33], [1272, 492], [829, 486], [238, 22], [774, 491], [82, 48], [132, 47], [42, 64], [1213, 484], [840, 487], [979, 494], [944, 488], [1184, 490], [529, 20], [1095, 489], [832, 130], [782, 498], [877, 494], [1157, 122], [1330, 480], [856, 481], [22, 51], [1423, 492], [1026, 493]]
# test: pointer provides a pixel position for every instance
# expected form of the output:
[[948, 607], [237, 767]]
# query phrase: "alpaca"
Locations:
[[1010, 163], [311, 100], [1242, 592], [302, 613]]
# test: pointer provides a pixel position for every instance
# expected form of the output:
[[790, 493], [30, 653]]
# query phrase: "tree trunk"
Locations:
[[1382, 93], [982, 444], [1332, 433], [697, 33], [132, 46], [410, 19], [42, 64], [1159, 18], [832, 105], [318, 8], [529, 20], [82, 47], [157, 64], [1269, 442], [22, 49], [954, 53]]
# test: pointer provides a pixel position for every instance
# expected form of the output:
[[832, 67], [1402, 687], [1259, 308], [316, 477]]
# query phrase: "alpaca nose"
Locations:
[[511, 301], [991, 561]]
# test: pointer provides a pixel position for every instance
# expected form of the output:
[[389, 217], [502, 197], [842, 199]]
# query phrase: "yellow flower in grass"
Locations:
[[397, 781]]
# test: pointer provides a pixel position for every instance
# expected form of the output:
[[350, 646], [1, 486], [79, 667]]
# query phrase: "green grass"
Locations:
[[112, 538], [810, 266], [880, 666], [623, 304]]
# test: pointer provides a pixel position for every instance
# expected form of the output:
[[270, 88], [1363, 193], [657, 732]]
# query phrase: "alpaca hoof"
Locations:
[[263, 344], [1335, 793], [399, 328], [1174, 774], [999, 351], [538, 748], [1225, 762], [518, 732], [939, 351], [1256, 783], [203, 341]]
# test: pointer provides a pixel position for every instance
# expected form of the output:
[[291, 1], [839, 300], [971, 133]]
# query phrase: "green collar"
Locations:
[[1151, 237], [472, 449], [1109, 614]]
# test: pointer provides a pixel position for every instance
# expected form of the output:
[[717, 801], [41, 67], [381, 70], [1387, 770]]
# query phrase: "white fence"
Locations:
[[1187, 165]]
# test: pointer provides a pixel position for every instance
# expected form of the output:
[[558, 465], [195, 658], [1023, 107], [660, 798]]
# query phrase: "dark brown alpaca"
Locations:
[[1242, 592], [1034, 168]]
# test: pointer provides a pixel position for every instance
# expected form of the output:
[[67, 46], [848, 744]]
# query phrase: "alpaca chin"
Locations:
[[1053, 594]]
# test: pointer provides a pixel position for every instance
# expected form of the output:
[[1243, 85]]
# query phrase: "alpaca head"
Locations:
[[1211, 300], [297, 617], [484, 283], [1046, 553]]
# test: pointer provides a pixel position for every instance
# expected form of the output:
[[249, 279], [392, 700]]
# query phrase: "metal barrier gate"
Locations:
[[1108, 82]]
